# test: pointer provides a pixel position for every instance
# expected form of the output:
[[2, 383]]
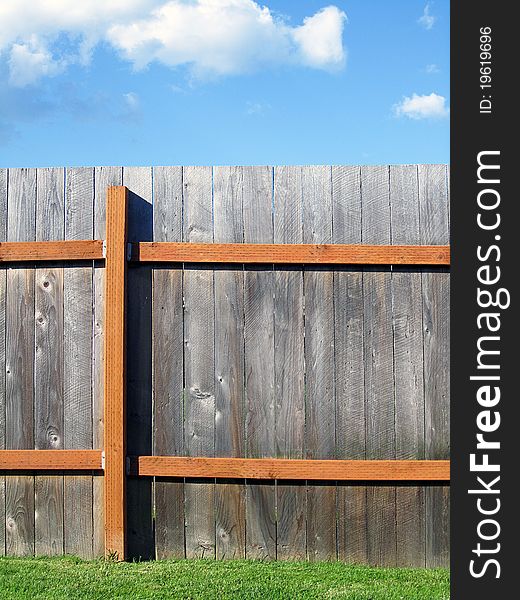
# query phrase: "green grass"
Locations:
[[74, 579]]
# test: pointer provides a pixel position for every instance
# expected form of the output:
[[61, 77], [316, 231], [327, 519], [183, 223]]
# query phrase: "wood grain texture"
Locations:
[[48, 363], [103, 178], [434, 219], [51, 250], [230, 507], [259, 362], [349, 365], [115, 373], [297, 469], [379, 375], [77, 367], [139, 373], [50, 460], [199, 360], [291, 253], [408, 364], [289, 364], [19, 384], [168, 367], [3, 290], [320, 434]]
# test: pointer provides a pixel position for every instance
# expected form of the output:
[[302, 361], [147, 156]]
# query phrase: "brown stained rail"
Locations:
[[51, 460], [294, 469], [45, 251], [338, 254]]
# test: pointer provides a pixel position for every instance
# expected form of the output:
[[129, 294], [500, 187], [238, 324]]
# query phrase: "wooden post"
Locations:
[[115, 372]]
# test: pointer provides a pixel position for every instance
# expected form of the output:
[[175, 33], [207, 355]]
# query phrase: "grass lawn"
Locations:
[[74, 579]]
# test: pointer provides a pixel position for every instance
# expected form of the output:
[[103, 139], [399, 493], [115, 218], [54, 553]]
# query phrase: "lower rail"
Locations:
[[51, 460], [280, 468]]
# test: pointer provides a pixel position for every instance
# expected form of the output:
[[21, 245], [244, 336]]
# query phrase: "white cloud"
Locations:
[[211, 37], [320, 38], [432, 69], [427, 20], [430, 106], [222, 37], [31, 60], [257, 108]]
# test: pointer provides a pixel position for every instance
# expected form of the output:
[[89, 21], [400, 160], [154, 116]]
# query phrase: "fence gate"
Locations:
[[226, 362]]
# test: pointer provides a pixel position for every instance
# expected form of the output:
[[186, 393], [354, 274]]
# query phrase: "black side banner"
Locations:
[[485, 358]]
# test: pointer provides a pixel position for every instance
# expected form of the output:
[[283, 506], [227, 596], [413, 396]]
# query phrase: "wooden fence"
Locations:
[[275, 349]]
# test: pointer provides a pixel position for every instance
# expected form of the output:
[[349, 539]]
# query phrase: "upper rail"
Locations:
[[188, 252]]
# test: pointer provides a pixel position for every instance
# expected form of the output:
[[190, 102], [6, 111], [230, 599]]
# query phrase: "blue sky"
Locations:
[[148, 82]]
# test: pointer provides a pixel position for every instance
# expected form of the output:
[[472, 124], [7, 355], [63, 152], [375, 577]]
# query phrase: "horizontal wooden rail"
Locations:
[[341, 254], [51, 460], [59, 250], [280, 468]]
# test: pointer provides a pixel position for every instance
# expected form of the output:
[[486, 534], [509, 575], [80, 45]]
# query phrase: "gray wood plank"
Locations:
[[319, 362], [199, 374], [168, 383], [139, 363], [349, 364], [408, 364], [48, 363], [77, 366], [259, 362], [230, 516], [103, 177], [3, 289], [289, 359], [434, 220], [379, 376], [19, 394]]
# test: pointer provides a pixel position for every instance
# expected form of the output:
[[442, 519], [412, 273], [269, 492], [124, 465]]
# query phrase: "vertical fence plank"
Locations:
[[48, 363], [138, 180], [3, 281], [349, 364], [379, 376], [229, 363], [168, 368], [319, 362], [289, 366], [259, 362], [104, 177], [115, 373], [199, 362], [77, 367], [434, 219], [408, 364], [19, 394]]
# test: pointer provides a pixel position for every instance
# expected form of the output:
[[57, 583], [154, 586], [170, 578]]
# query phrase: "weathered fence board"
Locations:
[[434, 218], [259, 362], [319, 362], [378, 362], [332, 362], [289, 364], [349, 364], [408, 367], [48, 363], [139, 362], [78, 504], [19, 385], [168, 363], [199, 373], [230, 506]]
